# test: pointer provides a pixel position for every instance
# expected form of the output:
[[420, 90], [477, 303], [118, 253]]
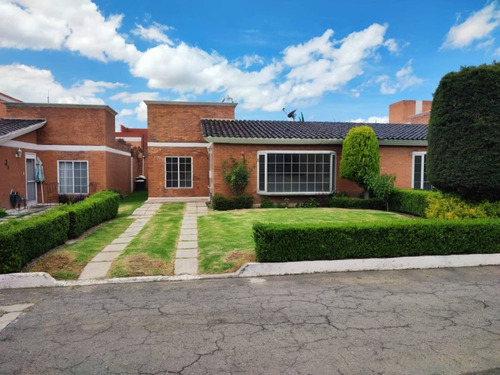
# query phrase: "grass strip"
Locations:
[[225, 240], [152, 251]]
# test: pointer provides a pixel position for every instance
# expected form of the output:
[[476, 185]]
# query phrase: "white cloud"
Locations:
[[31, 84], [155, 33], [306, 71], [140, 112], [478, 26], [249, 60], [403, 80], [372, 119], [391, 45], [76, 25], [137, 97]]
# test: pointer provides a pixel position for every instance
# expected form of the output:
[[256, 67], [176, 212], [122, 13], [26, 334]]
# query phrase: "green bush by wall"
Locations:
[[283, 243], [413, 202], [237, 202], [357, 203], [24, 240]]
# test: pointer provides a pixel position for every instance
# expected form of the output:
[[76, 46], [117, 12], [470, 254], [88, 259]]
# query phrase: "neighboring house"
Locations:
[[410, 112], [137, 138], [188, 143], [76, 144]]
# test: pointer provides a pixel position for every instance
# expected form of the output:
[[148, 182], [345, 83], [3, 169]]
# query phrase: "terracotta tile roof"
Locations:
[[219, 128]]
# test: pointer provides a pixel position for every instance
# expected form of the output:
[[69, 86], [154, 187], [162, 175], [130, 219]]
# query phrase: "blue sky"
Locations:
[[333, 60]]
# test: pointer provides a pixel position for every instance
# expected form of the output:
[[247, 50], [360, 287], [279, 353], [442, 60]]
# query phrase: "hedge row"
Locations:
[[357, 203], [222, 203], [24, 240], [414, 202], [92, 211], [282, 243]]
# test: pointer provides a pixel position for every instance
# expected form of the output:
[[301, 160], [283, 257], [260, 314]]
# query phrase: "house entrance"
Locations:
[[30, 179]]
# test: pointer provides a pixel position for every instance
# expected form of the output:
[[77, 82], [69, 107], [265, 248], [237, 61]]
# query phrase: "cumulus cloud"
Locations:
[[372, 119], [31, 84], [76, 25], [404, 79], [154, 33], [478, 26], [136, 97]]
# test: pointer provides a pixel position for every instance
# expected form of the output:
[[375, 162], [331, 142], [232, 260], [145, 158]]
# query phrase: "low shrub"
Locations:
[[70, 199], [357, 203], [24, 240], [310, 203], [450, 206], [222, 203], [282, 243], [3, 213], [266, 203], [414, 202], [90, 212]]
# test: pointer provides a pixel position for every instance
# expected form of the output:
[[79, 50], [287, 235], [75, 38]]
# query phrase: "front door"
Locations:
[[30, 179]]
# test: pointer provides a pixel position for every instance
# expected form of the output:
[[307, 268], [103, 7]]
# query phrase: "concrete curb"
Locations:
[[42, 279]]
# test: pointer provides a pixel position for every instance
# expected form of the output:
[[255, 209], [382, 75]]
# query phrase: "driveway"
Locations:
[[393, 322]]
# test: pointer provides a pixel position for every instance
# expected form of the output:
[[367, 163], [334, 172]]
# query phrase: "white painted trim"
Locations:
[[418, 107], [413, 155], [333, 170], [31, 156], [73, 161], [178, 172], [21, 132], [130, 139], [71, 148], [131, 174], [178, 144], [301, 141]]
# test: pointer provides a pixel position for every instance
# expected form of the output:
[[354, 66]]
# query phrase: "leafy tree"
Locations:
[[236, 174], [382, 186], [464, 133], [360, 157]]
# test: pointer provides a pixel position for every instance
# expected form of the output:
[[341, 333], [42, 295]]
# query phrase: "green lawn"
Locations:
[[152, 252], [68, 262], [225, 239]]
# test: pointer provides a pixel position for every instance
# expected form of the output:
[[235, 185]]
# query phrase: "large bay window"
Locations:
[[73, 177], [419, 175], [178, 172], [296, 172]]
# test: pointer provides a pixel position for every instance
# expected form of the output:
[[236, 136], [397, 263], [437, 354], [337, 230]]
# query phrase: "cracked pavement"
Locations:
[[443, 321]]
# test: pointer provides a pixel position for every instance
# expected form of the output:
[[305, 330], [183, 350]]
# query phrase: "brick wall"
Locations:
[[394, 160], [170, 122], [402, 111], [156, 172], [118, 173]]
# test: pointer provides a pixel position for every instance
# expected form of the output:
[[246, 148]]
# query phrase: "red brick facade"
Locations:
[[71, 133], [174, 130], [410, 111]]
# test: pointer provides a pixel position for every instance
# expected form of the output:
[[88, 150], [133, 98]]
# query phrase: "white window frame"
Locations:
[[415, 154], [178, 172], [333, 169], [59, 181]]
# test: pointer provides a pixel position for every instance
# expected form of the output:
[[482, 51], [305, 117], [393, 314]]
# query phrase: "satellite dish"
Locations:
[[290, 115]]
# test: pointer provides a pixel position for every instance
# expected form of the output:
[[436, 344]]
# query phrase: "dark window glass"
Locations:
[[178, 172]]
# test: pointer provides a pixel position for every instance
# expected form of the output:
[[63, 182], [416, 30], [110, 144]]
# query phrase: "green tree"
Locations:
[[382, 186], [360, 157], [236, 174], [464, 133]]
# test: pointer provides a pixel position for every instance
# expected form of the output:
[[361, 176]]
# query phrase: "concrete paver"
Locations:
[[188, 245], [188, 232], [122, 240], [106, 256], [186, 253], [95, 270], [188, 237], [188, 266], [115, 247]]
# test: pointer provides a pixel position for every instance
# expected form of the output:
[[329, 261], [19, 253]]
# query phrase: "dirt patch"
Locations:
[[143, 265], [56, 263], [239, 258]]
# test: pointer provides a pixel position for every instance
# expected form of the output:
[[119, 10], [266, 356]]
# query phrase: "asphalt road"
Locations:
[[393, 322]]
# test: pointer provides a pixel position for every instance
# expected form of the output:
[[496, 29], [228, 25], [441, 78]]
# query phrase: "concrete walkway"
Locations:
[[186, 257], [99, 266]]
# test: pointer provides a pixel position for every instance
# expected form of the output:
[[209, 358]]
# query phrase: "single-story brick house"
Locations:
[[76, 144], [188, 143]]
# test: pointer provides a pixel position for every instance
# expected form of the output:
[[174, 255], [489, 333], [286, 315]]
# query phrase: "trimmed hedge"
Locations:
[[414, 202], [282, 243], [90, 212], [357, 203], [24, 240], [222, 203]]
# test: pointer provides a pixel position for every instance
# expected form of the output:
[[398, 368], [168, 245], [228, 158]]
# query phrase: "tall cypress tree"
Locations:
[[464, 133]]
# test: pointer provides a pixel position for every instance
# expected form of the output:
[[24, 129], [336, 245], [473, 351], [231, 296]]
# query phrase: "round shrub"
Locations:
[[464, 133]]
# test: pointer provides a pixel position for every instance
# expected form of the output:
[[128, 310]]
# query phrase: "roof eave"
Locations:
[[20, 132], [302, 141]]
